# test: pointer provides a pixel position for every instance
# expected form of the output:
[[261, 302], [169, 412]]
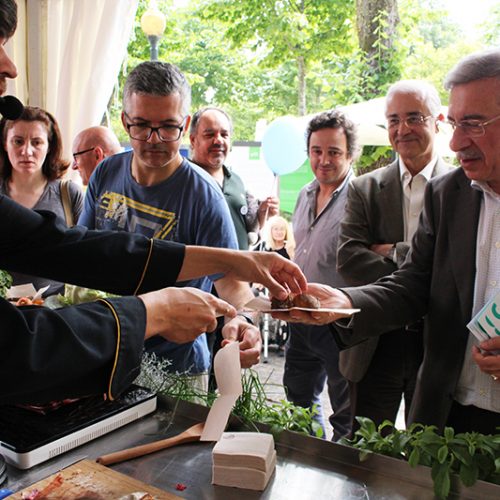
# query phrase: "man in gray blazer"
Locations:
[[451, 271], [381, 217]]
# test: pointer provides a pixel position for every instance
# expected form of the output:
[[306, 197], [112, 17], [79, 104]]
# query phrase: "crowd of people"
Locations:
[[413, 245], [97, 347]]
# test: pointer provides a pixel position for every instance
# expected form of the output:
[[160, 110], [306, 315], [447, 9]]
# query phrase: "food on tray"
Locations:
[[303, 300]]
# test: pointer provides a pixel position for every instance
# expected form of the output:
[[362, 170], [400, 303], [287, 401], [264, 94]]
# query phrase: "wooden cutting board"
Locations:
[[92, 481]]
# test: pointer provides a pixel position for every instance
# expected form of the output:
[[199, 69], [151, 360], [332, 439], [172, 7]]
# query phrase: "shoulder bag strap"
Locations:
[[66, 202]]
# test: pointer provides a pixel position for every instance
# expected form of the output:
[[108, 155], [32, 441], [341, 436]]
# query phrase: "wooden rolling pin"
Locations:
[[188, 436]]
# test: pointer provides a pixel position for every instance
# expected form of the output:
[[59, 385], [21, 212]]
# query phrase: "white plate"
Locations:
[[260, 304]]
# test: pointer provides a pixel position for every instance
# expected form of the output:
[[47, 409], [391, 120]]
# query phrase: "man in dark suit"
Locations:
[[381, 217], [452, 269]]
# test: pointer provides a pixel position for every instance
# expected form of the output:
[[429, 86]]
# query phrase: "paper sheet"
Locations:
[[27, 290], [227, 370]]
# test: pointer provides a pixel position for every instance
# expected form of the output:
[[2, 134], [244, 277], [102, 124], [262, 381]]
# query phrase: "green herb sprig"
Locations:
[[470, 455], [252, 406]]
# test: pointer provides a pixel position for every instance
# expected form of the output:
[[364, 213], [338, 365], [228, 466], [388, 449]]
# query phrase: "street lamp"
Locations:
[[153, 24]]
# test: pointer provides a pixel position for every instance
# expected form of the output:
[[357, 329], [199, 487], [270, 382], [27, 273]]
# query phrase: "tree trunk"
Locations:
[[376, 24], [301, 86]]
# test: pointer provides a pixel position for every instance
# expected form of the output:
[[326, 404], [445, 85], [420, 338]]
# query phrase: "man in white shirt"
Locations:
[[382, 212], [452, 270]]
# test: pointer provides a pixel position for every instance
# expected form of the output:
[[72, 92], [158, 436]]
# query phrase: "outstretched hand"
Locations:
[[330, 298], [279, 275], [181, 314], [276, 273]]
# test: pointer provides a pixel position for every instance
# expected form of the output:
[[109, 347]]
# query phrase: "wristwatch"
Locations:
[[249, 319]]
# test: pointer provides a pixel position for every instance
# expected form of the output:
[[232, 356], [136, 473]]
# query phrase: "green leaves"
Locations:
[[441, 476], [252, 406], [5, 282], [471, 455]]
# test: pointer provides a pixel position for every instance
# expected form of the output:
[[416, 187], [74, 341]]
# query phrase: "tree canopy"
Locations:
[[268, 58]]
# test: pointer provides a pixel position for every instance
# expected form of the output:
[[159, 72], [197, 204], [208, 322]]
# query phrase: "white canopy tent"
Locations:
[[370, 118], [68, 54]]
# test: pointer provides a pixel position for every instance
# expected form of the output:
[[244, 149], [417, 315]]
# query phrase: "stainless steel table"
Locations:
[[308, 468]]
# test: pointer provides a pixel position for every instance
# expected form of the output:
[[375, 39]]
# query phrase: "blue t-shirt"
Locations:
[[188, 208]]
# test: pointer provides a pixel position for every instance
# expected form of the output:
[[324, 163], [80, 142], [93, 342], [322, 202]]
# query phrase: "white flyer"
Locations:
[[486, 323]]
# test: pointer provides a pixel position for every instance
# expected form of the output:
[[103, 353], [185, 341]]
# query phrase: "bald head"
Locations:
[[90, 147]]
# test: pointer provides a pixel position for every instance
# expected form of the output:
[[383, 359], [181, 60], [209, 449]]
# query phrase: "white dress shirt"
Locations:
[[475, 387], [413, 195]]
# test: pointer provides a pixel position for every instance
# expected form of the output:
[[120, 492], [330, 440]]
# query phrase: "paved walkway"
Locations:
[[270, 372]]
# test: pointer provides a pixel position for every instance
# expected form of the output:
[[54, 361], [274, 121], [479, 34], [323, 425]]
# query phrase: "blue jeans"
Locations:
[[311, 359]]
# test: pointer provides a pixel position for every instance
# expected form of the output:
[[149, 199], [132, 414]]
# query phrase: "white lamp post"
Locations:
[[153, 24]]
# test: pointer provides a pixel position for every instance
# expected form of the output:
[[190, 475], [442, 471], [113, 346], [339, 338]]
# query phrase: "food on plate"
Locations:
[[303, 300], [28, 301], [307, 301], [281, 304]]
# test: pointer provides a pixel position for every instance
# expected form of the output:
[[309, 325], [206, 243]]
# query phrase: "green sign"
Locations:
[[254, 153], [291, 184]]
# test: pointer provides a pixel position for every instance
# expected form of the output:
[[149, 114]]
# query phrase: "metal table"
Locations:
[[307, 467]]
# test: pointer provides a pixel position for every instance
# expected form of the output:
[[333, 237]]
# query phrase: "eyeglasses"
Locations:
[[472, 128], [166, 133], [83, 151], [410, 121]]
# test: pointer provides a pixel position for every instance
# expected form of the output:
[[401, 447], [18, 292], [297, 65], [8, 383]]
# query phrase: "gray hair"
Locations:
[[336, 119], [476, 66], [425, 90], [159, 79], [195, 119]]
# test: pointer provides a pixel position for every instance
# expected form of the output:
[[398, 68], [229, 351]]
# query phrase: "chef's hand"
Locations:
[[249, 338], [181, 314], [330, 298], [276, 273], [487, 361]]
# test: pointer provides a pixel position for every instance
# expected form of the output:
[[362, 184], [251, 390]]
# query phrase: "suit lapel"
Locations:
[[462, 214], [391, 202]]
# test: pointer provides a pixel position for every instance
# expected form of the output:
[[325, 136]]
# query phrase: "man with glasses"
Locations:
[[382, 214], [153, 190], [90, 147], [452, 270]]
